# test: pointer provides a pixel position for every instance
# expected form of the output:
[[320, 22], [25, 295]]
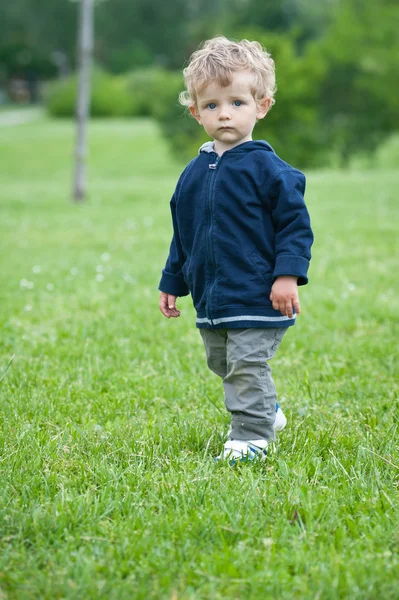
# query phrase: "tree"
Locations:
[[307, 18], [360, 89], [38, 28]]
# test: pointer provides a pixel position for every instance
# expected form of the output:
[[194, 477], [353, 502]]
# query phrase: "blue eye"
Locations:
[[212, 105], [237, 103]]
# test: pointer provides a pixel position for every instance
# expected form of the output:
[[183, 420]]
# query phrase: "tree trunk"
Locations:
[[83, 97]]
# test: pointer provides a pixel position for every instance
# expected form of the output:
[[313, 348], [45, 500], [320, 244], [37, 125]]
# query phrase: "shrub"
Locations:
[[141, 93], [182, 132], [109, 96], [148, 88], [155, 93]]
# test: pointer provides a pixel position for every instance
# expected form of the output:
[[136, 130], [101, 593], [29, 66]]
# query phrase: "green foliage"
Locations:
[[307, 18], [140, 33], [181, 131], [19, 59], [60, 97], [150, 89], [141, 93], [109, 96], [35, 30], [293, 124], [359, 93]]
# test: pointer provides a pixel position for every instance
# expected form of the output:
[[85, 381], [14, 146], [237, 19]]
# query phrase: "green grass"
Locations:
[[110, 418]]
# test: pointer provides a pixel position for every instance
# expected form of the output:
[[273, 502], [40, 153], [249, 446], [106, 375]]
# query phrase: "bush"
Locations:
[[109, 96], [149, 89], [181, 130], [293, 126], [141, 93], [155, 93]]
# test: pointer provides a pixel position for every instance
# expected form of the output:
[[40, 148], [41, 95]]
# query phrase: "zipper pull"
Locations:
[[215, 164]]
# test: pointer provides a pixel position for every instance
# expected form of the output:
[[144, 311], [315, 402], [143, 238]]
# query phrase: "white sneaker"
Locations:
[[248, 450], [237, 450], [281, 419]]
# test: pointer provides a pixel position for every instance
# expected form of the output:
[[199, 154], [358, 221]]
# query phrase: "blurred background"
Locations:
[[337, 69]]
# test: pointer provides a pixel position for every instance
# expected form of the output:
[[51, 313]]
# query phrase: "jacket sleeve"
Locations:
[[294, 236], [172, 280]]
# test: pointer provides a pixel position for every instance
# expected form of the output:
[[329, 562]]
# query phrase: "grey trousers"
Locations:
[[239, 357]]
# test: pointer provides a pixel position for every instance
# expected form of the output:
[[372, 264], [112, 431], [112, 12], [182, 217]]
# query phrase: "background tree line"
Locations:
[[337, 64]]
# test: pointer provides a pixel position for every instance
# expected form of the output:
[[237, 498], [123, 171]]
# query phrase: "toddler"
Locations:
[[242, 237]]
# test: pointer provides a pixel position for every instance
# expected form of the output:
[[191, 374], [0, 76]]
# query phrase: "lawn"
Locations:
[[110, 418]]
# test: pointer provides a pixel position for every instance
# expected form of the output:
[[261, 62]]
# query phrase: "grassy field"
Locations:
[[110, 418]]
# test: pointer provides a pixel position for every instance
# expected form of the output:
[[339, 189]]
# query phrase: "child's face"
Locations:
[[229, 114]]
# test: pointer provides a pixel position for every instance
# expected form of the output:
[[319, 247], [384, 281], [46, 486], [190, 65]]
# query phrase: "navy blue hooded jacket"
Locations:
[[239, 222]]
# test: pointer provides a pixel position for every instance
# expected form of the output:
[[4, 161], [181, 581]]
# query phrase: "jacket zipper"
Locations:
[[210, 199]]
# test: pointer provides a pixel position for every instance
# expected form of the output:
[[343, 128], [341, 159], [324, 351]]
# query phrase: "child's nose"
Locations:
[[224, 113]]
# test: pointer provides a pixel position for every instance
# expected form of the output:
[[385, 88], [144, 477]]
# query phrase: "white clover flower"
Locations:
[[36, 269], [351, 287], [130, 225], [129, 243], [129, 279], [148, 221], [105, 257], [99, 268], [74, 271], [50, 287], [28, 308], [26, 284], [99, 277]]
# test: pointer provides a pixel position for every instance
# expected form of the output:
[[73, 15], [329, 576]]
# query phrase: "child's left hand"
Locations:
[[284, 295]]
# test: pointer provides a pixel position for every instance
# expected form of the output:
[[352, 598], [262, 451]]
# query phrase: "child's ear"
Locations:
[[263, 107], [194, 112]]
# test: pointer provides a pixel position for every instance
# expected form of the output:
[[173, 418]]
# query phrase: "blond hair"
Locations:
[[219, 58]]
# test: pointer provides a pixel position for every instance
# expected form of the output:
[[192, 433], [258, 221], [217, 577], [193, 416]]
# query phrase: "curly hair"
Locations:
[[219, 58]]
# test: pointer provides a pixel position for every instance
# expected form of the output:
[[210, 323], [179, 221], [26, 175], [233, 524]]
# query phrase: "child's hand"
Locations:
[[284, 295], [167, 304]]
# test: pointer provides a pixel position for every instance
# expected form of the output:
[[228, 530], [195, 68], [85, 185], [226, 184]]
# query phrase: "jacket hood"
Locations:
[[244, 147]]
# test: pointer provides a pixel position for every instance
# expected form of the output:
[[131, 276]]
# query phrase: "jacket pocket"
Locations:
[[262, 266]]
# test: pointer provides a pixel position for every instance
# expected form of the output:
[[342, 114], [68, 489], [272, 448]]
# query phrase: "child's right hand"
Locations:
[[167, 305]]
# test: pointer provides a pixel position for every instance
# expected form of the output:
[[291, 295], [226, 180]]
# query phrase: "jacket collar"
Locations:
[[245, 147]]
